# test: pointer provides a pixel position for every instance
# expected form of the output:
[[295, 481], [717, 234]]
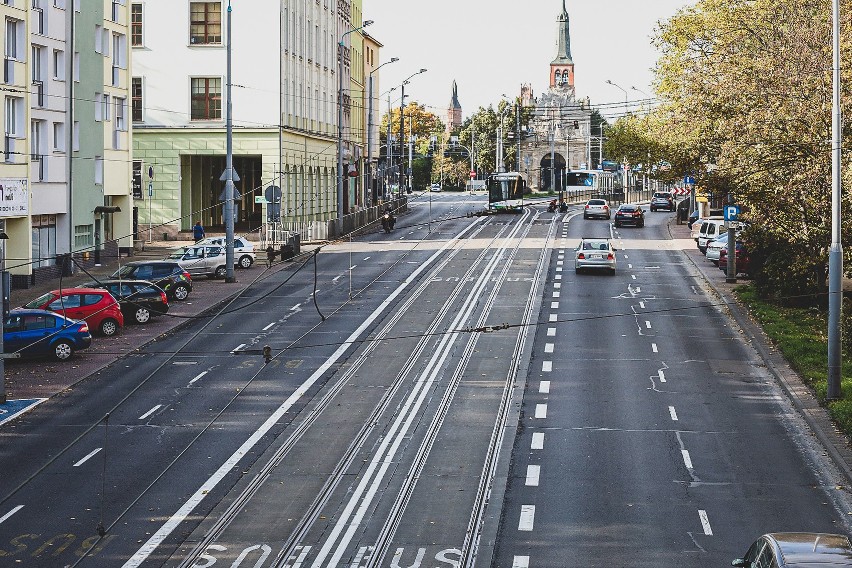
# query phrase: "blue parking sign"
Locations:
[[732, 212]]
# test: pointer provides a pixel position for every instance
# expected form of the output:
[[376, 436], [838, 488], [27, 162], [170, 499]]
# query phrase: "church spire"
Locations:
[[454, 101], [563, 51]]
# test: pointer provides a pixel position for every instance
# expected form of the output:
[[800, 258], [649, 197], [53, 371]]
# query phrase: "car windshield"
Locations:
[[40, 301], [178, 254], [663, 195], [595, 245], [628, 208], [597, 202]]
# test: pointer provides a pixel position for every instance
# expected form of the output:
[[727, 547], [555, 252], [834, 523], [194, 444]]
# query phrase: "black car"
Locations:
[[662, 200], [167, 274], [139, 300], [629, 214]]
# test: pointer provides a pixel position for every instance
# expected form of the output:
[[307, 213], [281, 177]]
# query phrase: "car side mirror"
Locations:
[[740, 562]]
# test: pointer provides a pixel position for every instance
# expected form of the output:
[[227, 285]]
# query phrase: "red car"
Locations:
[[98, 307], [743, 264]]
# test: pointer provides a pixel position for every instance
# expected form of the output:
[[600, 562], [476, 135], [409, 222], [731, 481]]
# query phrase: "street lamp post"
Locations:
[[340, 47], [623, 90], [402, 175], [370, 129], [835, 255], [499, 148]]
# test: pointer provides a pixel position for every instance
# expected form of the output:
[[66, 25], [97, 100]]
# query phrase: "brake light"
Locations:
[[186, 275], [610, 257], [587, 206], [606, 206], [581, 256], [637, 213], [163, 297]]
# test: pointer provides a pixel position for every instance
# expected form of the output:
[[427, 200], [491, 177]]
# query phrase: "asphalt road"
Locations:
[[456, 396]]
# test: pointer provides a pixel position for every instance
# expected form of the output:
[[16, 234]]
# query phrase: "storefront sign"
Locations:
[[14, 197]]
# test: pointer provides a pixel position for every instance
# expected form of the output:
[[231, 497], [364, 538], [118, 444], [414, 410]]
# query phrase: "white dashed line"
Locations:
[[559, 277], [238, 347], [548, 347], [544, 387], [662, 376], [546, 366], [521, 562], [705, 522], [88, 457], [687, 461], [647, 324], [633, 276], [554, 305], [541, 411], [15, 510], [336, 278], [353, 267], [537, 441], [642, 305], [557, 285], [553, 317], [629, 266], [366, 259], [559, 269], [270, 326], [654, 348], [527, 518], [198, 377], [556, 294], [533, 473], [625, 256], [551, 332], [673, 413], [150, 412], [296, 307]]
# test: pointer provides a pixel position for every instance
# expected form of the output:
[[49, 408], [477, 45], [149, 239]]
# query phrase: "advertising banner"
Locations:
[[14, 197]]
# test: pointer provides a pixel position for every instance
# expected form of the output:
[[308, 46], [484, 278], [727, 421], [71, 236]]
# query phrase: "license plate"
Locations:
[[597, 256]]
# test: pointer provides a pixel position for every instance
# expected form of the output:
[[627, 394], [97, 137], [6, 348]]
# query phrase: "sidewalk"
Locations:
[[816, 417]]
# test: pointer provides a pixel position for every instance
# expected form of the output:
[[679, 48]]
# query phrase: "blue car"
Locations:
[[40, 332]]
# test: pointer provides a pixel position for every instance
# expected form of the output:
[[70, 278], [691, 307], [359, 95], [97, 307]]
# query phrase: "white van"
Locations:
[[710, 229]]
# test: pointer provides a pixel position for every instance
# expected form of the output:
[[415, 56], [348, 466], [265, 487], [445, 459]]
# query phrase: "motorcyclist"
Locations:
[[388, 220], [563, 207], [551, 207]]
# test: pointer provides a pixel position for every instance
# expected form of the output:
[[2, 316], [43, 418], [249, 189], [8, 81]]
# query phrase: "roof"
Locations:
[[563, 50], [806, 549]]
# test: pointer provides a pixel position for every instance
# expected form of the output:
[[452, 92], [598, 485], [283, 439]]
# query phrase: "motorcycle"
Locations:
[[551, 207], [388, 221], [563, 207]]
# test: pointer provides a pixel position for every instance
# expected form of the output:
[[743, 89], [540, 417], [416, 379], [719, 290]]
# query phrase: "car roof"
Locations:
[[807, 549], [143, 262], [79, 290], [122, 281], [32, 311]]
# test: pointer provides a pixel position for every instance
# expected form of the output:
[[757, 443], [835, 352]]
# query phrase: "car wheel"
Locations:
[[142, 315], [109, 327], [63, 350], [180, 292], [245, 261], [221, 272]]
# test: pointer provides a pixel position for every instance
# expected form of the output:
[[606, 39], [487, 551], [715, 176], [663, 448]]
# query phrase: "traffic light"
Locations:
[[576, 125]]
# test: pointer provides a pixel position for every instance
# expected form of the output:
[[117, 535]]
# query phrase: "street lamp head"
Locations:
[[367, 23], [394, 59], [609, 82], [422, 70]]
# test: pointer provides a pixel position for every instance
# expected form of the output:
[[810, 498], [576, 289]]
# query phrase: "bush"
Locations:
[[786, 271]]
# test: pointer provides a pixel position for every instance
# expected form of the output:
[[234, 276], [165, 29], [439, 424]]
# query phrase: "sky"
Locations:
[[492, 47]]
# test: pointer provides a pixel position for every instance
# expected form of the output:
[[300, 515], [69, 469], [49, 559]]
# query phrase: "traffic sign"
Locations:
[[472, 174], [732, 212], [150, 172], [689, 180], [150, 189]]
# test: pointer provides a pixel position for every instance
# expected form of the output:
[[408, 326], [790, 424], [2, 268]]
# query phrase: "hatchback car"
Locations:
[[244, 255], [630, 214], [37, 333], [716, 245], [798, 549], [598, 208], [140, 300], [595, 254], [743, 261], [100, 310], [435, 187], [201, 260], [662, 200], [168, 275]]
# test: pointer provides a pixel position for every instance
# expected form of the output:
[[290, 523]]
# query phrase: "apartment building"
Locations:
[[65, 173], [285, 82]]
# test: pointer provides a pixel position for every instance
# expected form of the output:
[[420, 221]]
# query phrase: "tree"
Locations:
[[423, 124]]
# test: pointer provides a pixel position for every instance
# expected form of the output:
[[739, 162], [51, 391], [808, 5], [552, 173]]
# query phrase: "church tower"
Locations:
[[562, 68], [454, 110]]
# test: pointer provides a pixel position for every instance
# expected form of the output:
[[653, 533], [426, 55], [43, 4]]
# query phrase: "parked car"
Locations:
[[696, 227], [662, 200], [167, 274], [596, 254], [781, 550], [244, 255], [630, 214], [716, 245], [743, 261], [35, 333], [435, 187], [693, 217], [140, 300], [201, 260], [598, 208], [710, 229], [100, 310]]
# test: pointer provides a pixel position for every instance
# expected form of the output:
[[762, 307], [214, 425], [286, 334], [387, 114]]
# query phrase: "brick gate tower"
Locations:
[[454, 110]]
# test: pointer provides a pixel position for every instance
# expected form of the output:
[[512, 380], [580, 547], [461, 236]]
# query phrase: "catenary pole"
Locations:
[[835, 255], [229, 169]]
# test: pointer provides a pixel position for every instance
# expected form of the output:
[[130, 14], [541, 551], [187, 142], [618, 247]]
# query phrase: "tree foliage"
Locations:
[[423, 124]]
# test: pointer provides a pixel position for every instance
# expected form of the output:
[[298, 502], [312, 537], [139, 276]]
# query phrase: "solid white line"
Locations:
[[662, 376], [554, 305], [537, 441], [10, 513], [686, 459], [150, 412], [544, 387], [654, 348], [642, 305], [673, 413], [527, 518], [207, 487], [548, 347], [521, 562], [546, 366], [238, 347], [85, 459], [553, 317], [533, 473], [705, 522], [198, 377], [551, 332], [541, 411], [647, 324], [269, 326]]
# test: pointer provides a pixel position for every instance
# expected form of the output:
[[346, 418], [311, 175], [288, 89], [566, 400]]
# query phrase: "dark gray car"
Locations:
[[800, 550]]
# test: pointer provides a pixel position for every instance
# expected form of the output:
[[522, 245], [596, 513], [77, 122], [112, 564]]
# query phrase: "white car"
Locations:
[[595, 254], [596, 208], [244, 255], [435, 187]]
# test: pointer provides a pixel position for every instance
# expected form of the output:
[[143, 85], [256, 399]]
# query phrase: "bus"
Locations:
[[597, 183], [506, 191]]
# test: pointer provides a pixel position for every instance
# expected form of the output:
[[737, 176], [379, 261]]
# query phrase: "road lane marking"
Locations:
[[238, 347], [556, 294], [662, 375], [544, 387], [625, 256], [354, 266], [150, 412], [198, 377], [654, 348], [336, 278], [647, 324], [366, 259], [633, 276], [557, 285], [551, 332], [527, 518], [10, 513], [296, 307], [546, 366], [673, 413], [553, 317], [548, 347], [268, 327], [521, 562], [686, 459], [705, 522], [88, 457], [554, 305], [541, 411], [559, 277], [537, 441], [629, 266], [533, 473], [559, 269], [642, 305]]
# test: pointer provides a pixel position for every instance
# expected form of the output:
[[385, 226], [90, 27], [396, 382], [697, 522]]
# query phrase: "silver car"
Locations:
[[596, 208], [201, 260], [595, 254], [244, 255]]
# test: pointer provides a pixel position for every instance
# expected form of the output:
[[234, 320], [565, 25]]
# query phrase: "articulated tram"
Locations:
[[506, 191]]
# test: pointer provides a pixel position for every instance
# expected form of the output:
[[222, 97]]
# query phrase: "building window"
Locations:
[[99, 170], [136, 25], [44, 240], [99, 107], [13, 116], [12, 28], [84, 236], [205, 23], [106, 104], [136, 102], [58, 136], [58, 64], [120, 111], [76, 134], [206, 98], [99, 39]]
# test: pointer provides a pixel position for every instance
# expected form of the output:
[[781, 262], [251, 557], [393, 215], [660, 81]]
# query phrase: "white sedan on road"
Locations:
[[597, 254]]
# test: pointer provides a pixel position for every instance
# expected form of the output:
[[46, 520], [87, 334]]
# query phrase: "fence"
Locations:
[[313, 231]]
